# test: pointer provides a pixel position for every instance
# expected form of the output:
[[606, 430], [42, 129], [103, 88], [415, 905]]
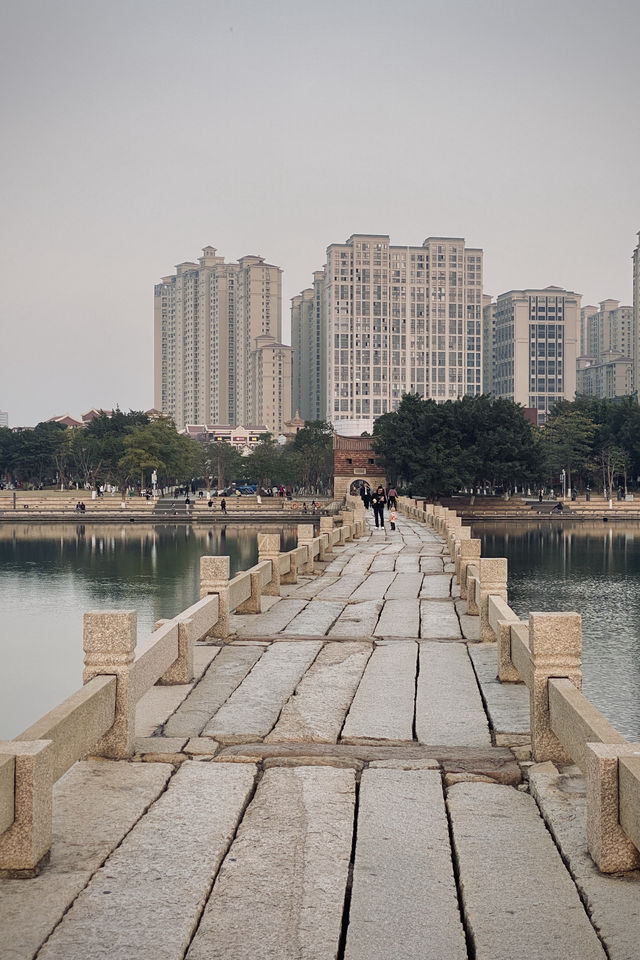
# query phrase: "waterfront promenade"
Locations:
[[345, 778]]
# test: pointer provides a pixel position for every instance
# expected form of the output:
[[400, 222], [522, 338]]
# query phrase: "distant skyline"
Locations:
[[136, 133]]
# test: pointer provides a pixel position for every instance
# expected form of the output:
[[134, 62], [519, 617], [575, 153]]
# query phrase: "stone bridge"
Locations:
[[344, 777]]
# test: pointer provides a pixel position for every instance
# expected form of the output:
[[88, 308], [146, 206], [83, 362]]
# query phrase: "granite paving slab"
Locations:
[[404, 902], [290, 860], [226, 672], [432, 548], [146, 899], [358, 565], [340, 589], [276, 619], [469, 625], [316, 618], [613, 902], [432, 564], [407, 562], [307, 591], [374, 586], [399, 618], [519, 900], [382, 564], [317, 710], [439, 621], [94, 806], [382, 708], [436, 586], [253, 708], [405, 586], [357, 620], [157, 704], [507, 703], [449, 708]]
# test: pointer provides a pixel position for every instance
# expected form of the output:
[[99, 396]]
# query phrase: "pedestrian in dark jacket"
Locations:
[[378, 501]]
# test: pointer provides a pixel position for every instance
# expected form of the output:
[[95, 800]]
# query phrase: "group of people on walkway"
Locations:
[[378, 499]]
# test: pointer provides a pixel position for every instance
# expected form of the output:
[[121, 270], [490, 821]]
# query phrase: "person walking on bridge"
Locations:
[[378, 501]]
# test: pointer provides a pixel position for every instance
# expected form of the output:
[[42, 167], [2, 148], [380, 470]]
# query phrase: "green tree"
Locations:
[[156, 446], [220, 461], [308, 456], [263, 466], [440, 448], [568, 439]]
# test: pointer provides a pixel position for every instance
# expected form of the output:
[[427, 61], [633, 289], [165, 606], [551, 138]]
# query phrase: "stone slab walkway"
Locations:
[[344, 780]]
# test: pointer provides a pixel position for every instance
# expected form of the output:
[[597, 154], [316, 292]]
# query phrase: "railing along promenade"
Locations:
[[544, 653], [99, 719]]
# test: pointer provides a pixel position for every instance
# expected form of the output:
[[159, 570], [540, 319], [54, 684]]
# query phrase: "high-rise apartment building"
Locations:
[[309, 343], [4, 418], [605, 364], [609, 328], [488, 342], [586, 313], [636, 319], [396, 319], [535, 343], [209, 320], [608, 376]]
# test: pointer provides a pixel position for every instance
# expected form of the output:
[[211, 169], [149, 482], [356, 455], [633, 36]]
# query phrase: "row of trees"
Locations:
[[487, 442], [125, 448]]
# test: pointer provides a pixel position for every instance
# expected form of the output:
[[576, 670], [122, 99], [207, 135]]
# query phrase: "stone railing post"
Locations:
[[607, 842], [269, 549], [452, 531], [25, 846], [348, 517], [469, 553], [252, 604], [555, 642], [493, 583], [109, 649], [292, 575], [182, 669], [305, 536], [322, 546], [214, 578], [326, 526], [462, 533]]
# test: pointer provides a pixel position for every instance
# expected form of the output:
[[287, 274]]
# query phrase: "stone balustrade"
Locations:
[[544, 653], [99, 719]]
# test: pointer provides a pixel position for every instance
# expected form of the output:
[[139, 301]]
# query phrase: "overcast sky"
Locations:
[[135, 133]]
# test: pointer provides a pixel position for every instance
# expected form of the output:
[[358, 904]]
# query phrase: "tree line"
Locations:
[[124, 449], [487, 442]]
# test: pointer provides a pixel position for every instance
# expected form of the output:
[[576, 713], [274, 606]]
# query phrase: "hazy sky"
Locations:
[[135, 133]]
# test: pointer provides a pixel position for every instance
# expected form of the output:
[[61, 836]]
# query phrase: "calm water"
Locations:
[[593, 568], [50, 575]]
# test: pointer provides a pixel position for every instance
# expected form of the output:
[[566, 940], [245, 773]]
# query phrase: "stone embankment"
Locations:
[[331, 770], [54, 507]]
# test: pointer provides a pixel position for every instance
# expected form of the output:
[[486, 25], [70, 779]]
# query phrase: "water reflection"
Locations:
[[593, 568], [50, 575]]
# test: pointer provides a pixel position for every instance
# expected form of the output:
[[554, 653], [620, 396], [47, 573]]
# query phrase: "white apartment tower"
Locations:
[[605, 364], [209, 318], [397, 319], [636, 319], [608, 328], [535, 347]]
